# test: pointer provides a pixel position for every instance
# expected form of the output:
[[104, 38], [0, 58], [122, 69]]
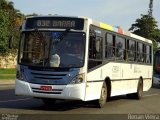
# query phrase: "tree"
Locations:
[[147, 27], [13, 23], [4, 18]]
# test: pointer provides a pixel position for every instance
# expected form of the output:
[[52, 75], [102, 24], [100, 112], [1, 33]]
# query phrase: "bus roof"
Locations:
[[119, 31], [104, 26]]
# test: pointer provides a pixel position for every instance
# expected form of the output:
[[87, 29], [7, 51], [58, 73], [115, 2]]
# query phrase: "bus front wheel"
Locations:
[[103, 98]]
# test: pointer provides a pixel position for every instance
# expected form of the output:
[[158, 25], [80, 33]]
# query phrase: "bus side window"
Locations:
[[92, 49], [144, 53], [131, 46], [147, 54], [120, 48], [98, 46], [95, 50], [95, 47], [150, 54], [140, 57], [110, 46]]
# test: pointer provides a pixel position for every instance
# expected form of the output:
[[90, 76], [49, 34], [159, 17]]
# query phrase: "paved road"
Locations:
[[15, 105]]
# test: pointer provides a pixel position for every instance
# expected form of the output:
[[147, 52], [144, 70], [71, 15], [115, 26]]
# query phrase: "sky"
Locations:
[[121, 13]]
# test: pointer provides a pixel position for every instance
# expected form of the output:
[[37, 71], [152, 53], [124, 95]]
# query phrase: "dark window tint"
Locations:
[[120, 48], [131, 50], [110, 46], [148, 60], [140, 57], [95, 50]]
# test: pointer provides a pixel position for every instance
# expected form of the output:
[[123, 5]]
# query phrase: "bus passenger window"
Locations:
[[95, 49], [92, 49], [110, 46], [144, 53], [140, 57], [148, 54], [98, 45], [131, 50], [120, 48]]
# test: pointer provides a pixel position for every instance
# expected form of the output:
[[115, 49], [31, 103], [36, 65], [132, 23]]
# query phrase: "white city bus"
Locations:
[[77, 58]]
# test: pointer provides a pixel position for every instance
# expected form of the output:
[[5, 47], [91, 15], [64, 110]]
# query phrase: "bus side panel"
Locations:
[[94, 85], [147, 84], [113, 71], [129, 77], [96, 78], [124, 79], [133, 72], [144, 71]]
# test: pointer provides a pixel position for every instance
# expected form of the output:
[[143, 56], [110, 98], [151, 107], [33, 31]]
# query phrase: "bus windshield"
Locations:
[[157, 62], [52, 49]]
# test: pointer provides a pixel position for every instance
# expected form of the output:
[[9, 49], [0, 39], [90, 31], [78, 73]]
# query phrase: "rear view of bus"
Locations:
[[51, 58]]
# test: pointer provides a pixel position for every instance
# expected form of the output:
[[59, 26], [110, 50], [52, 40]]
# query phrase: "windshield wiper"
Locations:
[[62, 36]]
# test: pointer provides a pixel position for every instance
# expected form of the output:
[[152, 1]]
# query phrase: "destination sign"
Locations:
[[55, 22]]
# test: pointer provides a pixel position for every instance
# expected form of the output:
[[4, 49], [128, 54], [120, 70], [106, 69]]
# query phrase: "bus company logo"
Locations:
[[115, 69], [9, 117]]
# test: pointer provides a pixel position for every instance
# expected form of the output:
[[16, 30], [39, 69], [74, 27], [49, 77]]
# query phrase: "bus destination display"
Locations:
[[57, 23]]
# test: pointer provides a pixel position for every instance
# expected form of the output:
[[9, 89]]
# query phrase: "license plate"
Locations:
[[46, 88]]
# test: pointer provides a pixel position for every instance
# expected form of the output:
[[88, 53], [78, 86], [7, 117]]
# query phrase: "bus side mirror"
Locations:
[[10, 45]]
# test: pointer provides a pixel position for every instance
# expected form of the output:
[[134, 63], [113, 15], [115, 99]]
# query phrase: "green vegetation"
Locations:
[[147, 27], [11, 19], [7, 73], [6, 77], [4, 30]]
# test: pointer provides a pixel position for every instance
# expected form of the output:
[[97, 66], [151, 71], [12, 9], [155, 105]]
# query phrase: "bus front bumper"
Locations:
[[70, 92]]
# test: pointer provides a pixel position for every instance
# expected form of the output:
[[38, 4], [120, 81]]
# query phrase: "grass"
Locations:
[[7, 73], [7, 77]]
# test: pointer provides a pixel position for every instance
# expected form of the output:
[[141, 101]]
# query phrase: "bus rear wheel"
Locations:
[[48, 101], [103, 98], [138, 95]]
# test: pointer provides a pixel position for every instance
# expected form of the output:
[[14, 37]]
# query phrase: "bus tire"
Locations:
[[48, 102], [138, 95], [103, 97]]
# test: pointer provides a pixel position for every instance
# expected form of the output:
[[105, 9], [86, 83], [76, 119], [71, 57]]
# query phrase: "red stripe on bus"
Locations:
[[120, 31]]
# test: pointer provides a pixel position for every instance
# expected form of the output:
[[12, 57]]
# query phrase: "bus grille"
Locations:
[[47, 76], [54, 91]]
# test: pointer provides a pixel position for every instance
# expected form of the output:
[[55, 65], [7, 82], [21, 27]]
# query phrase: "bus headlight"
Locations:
[[78, 79], [20, 76]]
